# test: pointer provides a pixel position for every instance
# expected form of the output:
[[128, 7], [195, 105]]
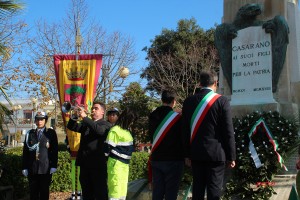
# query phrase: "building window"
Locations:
[[27, 116]]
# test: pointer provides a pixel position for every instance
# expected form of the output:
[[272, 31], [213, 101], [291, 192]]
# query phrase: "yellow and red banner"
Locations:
[[76, 81]]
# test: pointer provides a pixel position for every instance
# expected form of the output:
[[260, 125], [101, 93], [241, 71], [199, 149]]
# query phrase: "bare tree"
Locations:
[[176, 59], [12, 42], [180, 73], [10, 45], [60, 38]]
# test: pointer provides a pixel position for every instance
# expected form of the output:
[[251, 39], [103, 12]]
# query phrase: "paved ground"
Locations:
[[283, 186]]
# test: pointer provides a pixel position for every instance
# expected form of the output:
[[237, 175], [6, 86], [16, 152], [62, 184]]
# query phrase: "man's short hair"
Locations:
[[101, 104], [168, 95], [207, 78]]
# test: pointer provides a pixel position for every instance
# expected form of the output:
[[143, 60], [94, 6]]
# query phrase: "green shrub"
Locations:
[[62, 147], [61, 179], [139, 169], [11, 162], [187, 177], [138, 166]]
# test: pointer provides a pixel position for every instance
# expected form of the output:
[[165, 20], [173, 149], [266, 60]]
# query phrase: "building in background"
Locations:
[[23, 112]]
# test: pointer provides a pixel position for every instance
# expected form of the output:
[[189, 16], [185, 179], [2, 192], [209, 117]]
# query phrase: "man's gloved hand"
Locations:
[[25, 172], [52, 170]]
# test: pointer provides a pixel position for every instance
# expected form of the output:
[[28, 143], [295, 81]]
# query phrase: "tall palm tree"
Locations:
[[5, 112], [6, 8]]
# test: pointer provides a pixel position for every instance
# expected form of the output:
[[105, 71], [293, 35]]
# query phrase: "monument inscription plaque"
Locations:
[[252, 67]]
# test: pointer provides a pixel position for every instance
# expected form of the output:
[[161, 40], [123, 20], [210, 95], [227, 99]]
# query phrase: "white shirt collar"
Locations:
[[208, 88], [42, 129]]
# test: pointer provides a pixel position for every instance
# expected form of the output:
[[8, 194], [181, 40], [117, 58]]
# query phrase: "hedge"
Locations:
[[11, 163]]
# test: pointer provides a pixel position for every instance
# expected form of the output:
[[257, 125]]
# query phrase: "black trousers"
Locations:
[[93, 183], [166, 179], [39, 186], [209, 176]]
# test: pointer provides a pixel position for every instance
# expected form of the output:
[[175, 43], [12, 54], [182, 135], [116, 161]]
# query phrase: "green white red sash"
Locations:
[[201, 111], [161, 131], [261, 123]]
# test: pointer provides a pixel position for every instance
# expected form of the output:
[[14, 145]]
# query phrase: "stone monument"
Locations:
[[251, 63], [259, 47]]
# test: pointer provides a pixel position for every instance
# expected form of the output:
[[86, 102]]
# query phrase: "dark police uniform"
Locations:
[[40, 154]]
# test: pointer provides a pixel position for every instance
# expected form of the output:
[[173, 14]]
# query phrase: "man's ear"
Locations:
[[173, 103]]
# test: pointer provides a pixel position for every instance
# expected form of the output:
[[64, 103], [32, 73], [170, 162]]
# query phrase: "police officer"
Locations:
[[40, 156], [112, 115]]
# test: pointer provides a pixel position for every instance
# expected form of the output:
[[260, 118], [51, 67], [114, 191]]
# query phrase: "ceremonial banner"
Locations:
[[76, 81]]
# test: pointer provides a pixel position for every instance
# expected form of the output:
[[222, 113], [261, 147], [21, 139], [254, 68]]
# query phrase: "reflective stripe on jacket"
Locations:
[[119, 144]]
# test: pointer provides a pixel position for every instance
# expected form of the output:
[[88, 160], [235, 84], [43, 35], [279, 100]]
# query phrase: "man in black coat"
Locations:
[[90, 157], [167, 157], [40, 156], [210, 144]]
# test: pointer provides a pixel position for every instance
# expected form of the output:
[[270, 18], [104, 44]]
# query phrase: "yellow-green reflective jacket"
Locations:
[[119, 144]]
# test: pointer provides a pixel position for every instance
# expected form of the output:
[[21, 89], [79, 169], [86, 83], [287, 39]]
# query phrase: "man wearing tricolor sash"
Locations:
[[210, 144], [167, 158]]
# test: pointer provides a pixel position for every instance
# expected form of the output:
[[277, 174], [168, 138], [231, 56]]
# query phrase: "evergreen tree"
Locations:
[[176, 58]]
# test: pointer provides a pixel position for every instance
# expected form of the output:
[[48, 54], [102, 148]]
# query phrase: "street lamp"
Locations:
[[122, 72], [34, 101], [16, 109]]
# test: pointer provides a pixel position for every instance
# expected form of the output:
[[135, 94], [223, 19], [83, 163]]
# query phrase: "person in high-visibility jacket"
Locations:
[[119, 147]]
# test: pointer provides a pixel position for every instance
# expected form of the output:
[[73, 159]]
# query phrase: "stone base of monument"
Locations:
[[285, 109], [139, 190]]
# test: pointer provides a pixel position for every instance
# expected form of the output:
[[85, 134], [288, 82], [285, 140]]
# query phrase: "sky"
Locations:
[[142, 20]]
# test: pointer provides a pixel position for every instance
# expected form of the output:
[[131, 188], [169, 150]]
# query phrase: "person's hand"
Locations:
[[82, 112], [25, 172], [298, 164], [52, 170], [188, 162], [231, 164]]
